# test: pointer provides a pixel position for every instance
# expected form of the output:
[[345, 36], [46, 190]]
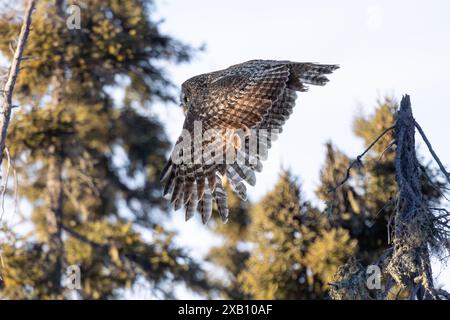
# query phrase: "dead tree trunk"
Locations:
[[410, 265], [417, 226]]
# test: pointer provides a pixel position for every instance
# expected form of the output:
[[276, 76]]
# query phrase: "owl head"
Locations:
[[195, 87]]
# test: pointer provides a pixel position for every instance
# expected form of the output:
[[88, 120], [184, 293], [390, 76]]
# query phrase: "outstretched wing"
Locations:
[[255, 95], [257, 144], [243, 96]]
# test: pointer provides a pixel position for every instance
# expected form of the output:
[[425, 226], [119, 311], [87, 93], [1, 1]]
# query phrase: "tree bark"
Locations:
[[55, 168], [411, 255], [54, 217]]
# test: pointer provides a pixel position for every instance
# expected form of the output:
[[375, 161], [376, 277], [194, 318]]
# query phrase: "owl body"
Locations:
[[240, 111]]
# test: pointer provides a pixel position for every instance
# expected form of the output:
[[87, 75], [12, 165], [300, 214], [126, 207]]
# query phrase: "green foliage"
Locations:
[[287, 235], [232, 254], [89, 160]]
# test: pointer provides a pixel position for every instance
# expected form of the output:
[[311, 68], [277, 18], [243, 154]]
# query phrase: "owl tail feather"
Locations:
[[236, 183], [205, 206], [191, 206], [213, 190], [220, 196], [166, 171], [196, 190]]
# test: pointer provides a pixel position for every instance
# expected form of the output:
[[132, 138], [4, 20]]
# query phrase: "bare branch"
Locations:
[[444, 293], [430, 148], [391, 144], [6, 105], [358, 159]]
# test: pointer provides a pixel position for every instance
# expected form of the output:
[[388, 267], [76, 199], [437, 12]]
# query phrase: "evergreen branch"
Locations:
[[82, 238], [358, 159]]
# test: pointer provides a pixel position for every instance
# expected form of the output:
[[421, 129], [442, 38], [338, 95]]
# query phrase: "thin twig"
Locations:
[[434, 186], [386, 205], [5, 185], [16, 190], [430, 148], [386, 150], [358, 159], [444, 293]]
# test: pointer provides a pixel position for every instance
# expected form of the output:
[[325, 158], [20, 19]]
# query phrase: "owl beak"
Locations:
[[184, 107]]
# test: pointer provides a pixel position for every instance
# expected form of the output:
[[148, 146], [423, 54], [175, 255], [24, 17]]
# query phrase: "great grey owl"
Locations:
[[232, 115]]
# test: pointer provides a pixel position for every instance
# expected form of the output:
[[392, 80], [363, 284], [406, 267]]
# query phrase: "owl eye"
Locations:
[[184, 103], [183, 98]]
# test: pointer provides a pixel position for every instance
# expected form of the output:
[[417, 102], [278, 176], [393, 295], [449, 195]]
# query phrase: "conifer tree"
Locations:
[[87, 160], [232, 254], [294, 252]]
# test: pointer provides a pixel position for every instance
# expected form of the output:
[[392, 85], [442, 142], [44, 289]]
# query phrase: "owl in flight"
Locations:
[[232, 117]]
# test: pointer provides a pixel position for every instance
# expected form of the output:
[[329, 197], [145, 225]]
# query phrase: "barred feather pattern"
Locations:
[[254, 97]]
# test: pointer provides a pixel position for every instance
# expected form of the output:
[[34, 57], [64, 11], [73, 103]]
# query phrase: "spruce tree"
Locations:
[[233, 252], [87, 160], [295, 252]]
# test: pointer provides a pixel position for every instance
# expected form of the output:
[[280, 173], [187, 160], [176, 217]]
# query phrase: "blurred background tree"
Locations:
[[294, 250], [233, 252], [361, 206], [88, 159]]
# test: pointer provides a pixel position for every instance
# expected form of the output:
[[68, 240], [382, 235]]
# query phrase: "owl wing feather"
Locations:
[[248, 97]]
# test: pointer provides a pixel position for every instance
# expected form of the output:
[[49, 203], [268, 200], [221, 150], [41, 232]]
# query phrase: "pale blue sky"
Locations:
[[383, 47]]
